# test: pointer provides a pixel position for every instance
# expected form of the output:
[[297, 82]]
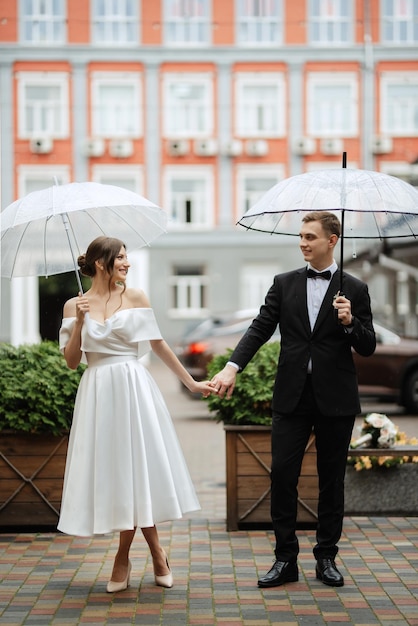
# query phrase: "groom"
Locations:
[[315, 389]]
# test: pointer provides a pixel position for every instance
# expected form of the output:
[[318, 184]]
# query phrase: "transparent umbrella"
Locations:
[[370, 205], [44, 232]]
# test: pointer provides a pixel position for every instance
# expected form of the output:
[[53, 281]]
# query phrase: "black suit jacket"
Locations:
[[328, 345]]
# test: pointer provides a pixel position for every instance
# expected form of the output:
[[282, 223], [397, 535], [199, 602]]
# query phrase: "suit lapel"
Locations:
[[327, 301], [302, 298]]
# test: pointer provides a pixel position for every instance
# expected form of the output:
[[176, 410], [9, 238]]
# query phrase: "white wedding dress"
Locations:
[[125, 467]]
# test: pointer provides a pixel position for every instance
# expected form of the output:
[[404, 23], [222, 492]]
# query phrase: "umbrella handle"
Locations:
[[94, 333]]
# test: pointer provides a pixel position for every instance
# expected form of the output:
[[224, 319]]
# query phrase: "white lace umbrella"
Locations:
[[44, 232], [370, 205]]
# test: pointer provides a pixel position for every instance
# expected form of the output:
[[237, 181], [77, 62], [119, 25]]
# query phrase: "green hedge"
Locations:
[[251, 401], [37, 389]]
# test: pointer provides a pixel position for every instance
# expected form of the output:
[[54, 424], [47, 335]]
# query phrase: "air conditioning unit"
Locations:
[[256, 148], [94, 147], [305, 146], [178, 147], [205, 147], [382, 145], [41, 145], [332, 147], [233, 148], [121, 148]]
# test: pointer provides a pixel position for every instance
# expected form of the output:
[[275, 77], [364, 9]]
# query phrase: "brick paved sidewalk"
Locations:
[[52, 579]]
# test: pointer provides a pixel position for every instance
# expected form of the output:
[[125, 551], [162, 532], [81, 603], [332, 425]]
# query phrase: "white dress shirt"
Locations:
[[316, 289]]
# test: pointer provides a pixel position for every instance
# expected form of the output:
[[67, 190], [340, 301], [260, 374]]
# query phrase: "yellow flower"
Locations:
[[367, 463], [401, 438]]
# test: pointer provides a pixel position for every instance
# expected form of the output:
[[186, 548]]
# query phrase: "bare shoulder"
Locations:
[[70, 308], [137, 298]]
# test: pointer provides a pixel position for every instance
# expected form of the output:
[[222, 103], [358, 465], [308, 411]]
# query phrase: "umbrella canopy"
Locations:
[[375, 205], [43, 232], [370, 205]]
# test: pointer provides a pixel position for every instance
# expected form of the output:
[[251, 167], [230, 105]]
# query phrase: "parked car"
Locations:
[[390, 374]]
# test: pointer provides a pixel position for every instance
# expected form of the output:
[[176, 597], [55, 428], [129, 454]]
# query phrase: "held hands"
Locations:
[[343, 308], [224, 381], [204, 387]]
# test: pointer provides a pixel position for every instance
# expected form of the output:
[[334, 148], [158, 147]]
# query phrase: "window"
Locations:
[[332, 104], [188, 105], [43, 106], [187, 22], [115, 22], [260, 105], [43, 22], [399, 103], [116, 105], [36, 177], [400, 21], [255, 280], [259, 22], [401, 169], [189, 197], [331, 22], [253, 182], [189, 287], [126, 176]]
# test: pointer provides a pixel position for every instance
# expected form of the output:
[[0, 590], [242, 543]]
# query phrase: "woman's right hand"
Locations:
[[82, 307]]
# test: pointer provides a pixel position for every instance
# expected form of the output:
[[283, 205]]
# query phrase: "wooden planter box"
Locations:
[[248, 462], [32, 472]]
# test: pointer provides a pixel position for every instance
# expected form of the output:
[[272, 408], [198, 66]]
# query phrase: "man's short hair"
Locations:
[[330, 222]]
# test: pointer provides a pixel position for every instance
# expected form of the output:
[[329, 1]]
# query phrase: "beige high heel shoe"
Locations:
[[166, 580], [113, 587]]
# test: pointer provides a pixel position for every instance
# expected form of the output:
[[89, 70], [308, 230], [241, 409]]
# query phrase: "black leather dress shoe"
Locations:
[[282, 572], [327, 572]]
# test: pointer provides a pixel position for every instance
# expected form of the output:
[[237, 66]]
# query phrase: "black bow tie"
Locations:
[[325, 275]]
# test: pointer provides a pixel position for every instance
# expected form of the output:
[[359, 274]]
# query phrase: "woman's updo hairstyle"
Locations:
[[104, 249]]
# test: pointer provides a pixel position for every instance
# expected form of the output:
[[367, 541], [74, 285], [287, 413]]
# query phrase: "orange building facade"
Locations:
[[201, 106]]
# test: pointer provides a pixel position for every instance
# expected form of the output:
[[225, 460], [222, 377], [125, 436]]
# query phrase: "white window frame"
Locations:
[[205, 202], [244, 109], [335, 22], [131, 173], [189, 293], [348, 125], [43, 18], [115, 79], [397, 21], [400, 169], [45, 173], [187, 23], [59, 111], [256, 277], [314, 166], [111, 19], [24, 292], [202, 109], [404, 110], [275, 171], [261, 30]]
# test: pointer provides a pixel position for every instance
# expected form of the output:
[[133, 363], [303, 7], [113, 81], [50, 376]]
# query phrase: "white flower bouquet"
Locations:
[[377, 431]]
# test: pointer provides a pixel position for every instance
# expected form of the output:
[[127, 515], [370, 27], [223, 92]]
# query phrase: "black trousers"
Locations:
[[290, 434]]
